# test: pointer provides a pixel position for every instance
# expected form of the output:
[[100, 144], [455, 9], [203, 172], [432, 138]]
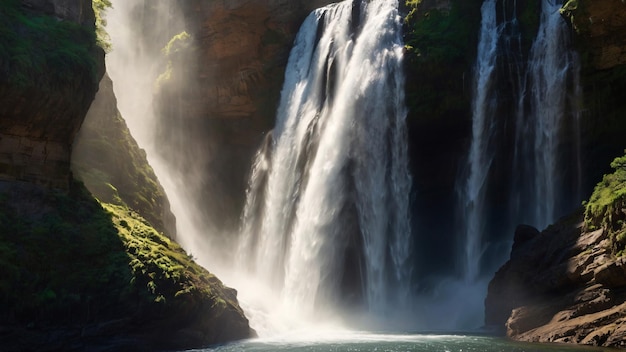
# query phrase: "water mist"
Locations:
[[326, 223]]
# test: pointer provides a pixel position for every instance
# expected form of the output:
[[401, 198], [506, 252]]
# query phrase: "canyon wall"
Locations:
[[78, 273], [49, 75], [107, 159]]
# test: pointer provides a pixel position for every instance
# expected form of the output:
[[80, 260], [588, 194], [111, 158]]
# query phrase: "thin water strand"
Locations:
[[480, 155]]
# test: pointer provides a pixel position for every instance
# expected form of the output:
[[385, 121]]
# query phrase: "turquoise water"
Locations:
[[360, 342]]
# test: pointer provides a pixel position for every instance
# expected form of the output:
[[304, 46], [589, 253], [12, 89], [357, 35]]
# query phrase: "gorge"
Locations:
[[366, 167]]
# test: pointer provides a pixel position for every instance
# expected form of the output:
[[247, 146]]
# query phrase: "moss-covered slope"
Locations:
[[112, 166], [77, 274]]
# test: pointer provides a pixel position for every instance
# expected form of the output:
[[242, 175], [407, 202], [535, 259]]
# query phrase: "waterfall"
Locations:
[[551, 66], [480, 154], [326, 220], [540, 115]]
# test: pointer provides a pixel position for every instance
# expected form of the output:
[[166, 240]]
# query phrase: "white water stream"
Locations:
[[546, 116], [551, 66], [328, 198], [480, 154]]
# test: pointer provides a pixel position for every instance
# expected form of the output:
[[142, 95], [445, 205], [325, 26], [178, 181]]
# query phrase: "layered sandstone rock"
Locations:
[[560, 285]]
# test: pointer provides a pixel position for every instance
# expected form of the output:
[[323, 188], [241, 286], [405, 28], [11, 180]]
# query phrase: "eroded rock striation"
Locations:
[[560, 285]]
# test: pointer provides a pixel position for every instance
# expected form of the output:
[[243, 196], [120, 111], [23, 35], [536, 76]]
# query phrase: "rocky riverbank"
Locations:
[[568, 282]]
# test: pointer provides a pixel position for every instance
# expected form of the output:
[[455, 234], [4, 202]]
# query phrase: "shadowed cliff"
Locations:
[[78, 274]]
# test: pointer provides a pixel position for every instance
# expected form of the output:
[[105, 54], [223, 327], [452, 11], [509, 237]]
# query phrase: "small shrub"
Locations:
[[606, 207]]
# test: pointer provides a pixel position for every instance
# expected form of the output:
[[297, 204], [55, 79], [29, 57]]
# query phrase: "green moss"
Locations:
[[33, 44], [176, 47], [99, 8], [437, 36], [440, 50], [73, 260], [607, 205], [178, 43], [113, 167], [577, 13], [58, 254]]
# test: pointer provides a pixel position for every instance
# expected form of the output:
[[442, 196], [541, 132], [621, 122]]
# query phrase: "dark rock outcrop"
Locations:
[[77, 275], [599, 35]]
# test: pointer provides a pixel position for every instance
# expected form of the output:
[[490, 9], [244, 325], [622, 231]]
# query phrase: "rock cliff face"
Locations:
[[48, 78], [601, 24], [560, 285], [112, 166], [599, 35], [79, 275], [222, 94]]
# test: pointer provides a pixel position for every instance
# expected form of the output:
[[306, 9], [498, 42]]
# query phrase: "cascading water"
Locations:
[[551, 68], [481, 152], [326, 220], [327, 214], [538, 114], [457, 302], [134, 65], [545, 116]]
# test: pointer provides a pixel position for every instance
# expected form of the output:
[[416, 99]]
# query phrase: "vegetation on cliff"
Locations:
[[440, 44], [69, 261], [174, 51], [42, 51], [102, 37], [108, 160], [607, 205]]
